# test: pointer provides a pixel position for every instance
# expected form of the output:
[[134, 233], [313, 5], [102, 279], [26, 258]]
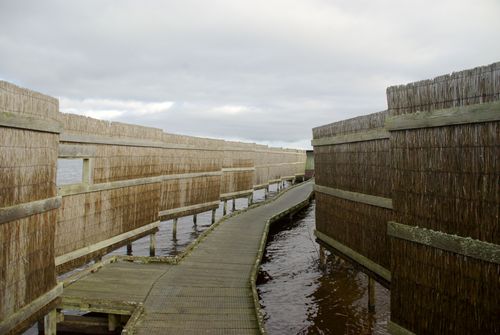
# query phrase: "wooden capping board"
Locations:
[[239, 194], [20, 121], [280, 152], [189, 208], [76, 151], [466, 246], [260, 186], [134, 319], [278, 164], [25, 312], [103, 244], [369, 135], [72, 189], [395, 329], [243, 169], [274, 181], [364, 261], [486, 112], [356, 197], [287, 178], [26, 209]]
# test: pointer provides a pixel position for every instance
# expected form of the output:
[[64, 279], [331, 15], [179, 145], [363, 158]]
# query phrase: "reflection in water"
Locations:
[[299, 296]]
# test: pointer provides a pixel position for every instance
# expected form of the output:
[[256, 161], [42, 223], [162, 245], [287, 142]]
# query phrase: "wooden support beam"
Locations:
[[224, 212], [213, 215], [50, 323], [371, 294], [174, 228], [152, 245], [76, 151], [21, 121], [234, 204], [129, 249], [195, 219], [354, 196], [26, 209], [113, 322], [362, 136]]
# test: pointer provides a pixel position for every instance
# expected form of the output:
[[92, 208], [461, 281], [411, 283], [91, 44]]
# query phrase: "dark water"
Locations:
[[299, 296]]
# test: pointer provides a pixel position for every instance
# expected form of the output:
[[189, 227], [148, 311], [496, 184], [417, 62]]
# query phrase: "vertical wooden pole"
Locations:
[[266, 192], [113, 322], [129, 249], [234, 204], [195, 219], [152, 244], [250, 200], [371, 294], [50, 323], [174, 228], [224, 212], [322, 256], [213, 216]]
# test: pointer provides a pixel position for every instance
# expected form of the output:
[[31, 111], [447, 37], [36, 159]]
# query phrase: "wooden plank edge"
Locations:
[[26, 209], [129, 328], [59, 260], [466, 246], [260, 186], [85, 272], [355, 256], [76, 150], [27, 311], [242, 169], [356, 197], [20, 121], [235, 195], [81, 188], [477, 113], [395, 329], [198, 208], [362, 136]]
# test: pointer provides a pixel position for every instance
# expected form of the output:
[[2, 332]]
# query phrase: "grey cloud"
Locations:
[[290, 65]]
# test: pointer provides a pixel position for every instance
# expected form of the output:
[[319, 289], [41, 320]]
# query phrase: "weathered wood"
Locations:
[[50, 323], [239, 194], [371, 294], [364, 261], [395, 329], [195, 218], [234, 204], [85, 188], [242, 169], [27, 311], [87, 171], [132, 322], [152, 244], [170, 212], [260, 186], [20, 121], [106, 243], [369, 135], [466, 246], [478, 113], [76, 151], [174, 227], [354, 196], [129, 249], [23, 210], [213, 215]]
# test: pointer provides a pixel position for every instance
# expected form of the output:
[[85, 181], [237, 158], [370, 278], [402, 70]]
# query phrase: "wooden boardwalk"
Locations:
[[209, 291]]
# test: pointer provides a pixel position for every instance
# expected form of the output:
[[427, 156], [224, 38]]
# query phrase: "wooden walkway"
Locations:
[[208, 292]]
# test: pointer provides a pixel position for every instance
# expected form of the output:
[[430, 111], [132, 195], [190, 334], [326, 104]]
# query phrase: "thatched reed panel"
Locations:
[[439, 292], [27, 166], [358, 226], [25, 102], [236, 181], [88, 218], [354, 125], [188, 192], [478, 85], [362, 167], [26, 260]]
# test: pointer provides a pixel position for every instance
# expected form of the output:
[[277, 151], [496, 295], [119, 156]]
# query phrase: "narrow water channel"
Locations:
[[298, 295]]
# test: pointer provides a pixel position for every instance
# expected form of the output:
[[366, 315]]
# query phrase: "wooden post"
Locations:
[[152, 244], [113, 322], [294, 180], [250, 200], [322, 256], [194, 219], [266, 192], [129, 249], [174, 228], [213, 215], [50, 323], [224, 212], [371, 294], [234, 204]]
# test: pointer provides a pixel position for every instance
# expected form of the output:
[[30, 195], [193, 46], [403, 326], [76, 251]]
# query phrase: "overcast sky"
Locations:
[[259, 70]]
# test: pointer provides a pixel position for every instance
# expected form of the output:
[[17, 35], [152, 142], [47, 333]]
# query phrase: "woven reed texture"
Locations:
[[26, 261], [27, 173], [439, 292], [189, 192], [448, 178], [354, 125], [27, 166], [473, 86], [358, 226], [363, 167], [22, 101]]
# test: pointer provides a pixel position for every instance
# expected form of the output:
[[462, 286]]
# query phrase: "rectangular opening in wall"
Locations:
[[69, 171]]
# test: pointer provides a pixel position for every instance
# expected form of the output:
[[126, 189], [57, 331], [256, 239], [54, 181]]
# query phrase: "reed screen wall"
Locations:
[[435, 155], [133, 177]]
